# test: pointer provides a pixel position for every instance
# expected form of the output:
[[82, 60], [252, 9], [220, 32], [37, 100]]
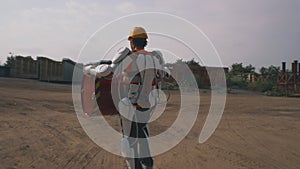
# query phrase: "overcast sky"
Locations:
[[257, 32]]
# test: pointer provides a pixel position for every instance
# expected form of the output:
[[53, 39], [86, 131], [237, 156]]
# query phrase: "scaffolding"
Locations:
[[289, 81]]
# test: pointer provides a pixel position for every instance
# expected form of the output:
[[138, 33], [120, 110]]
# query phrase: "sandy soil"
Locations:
[[39, 129]]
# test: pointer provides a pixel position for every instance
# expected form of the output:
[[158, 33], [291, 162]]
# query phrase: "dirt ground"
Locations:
[[39, 129]]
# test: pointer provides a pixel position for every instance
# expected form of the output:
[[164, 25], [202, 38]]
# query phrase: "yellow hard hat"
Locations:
[[138, 32]]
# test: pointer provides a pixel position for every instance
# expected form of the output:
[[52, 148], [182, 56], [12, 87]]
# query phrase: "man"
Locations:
[[139, 72], [140, 77]]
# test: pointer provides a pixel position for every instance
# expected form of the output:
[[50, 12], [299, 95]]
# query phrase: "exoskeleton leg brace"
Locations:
[[134, 144], [126, 113]]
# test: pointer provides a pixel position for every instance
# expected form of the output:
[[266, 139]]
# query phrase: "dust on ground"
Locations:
[[39, 129]]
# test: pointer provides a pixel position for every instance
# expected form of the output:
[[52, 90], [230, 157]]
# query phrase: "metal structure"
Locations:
[[290, 80], [43, 69]]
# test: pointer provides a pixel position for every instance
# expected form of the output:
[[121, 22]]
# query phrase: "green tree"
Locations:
[[239, 69], [10, 60], [249, 69], [191, 62], [270, 73], [263, 71], [237, 76], [236, 69], [273, 70]]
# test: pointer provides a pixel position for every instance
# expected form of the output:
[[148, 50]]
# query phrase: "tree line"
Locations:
[[237, 76], [265, 80]]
